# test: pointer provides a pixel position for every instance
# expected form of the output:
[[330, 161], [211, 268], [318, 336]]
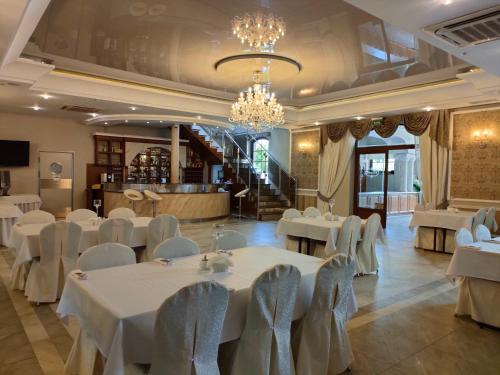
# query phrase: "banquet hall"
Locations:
[[249, 187]]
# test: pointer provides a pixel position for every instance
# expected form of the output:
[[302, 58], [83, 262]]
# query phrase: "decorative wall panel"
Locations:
[[475, 165], [305, 158]]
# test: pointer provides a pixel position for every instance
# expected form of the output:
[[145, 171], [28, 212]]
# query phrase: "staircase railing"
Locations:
[[284, 182], [238, 159]]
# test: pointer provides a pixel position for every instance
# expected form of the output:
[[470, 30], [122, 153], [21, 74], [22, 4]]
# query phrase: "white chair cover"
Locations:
[[116, 230], [37, 217], [59, 243], [106, 255], [349, 235], [81, 214], [323, 346], [366, 255], [121, 212], [176, 247], [291, 213], [479, 218], [490, 221], [312, 212], [230, 240], [264, 346], [482, 233], [463, 237], [160, 229], [188, 329], [419, 207]]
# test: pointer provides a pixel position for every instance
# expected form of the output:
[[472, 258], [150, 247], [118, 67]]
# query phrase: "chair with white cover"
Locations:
[[264, 345], [188, 329], [463, 237], [59, 244], [291, 213], [366, 255], [312, 212], [81, 214], [482, 233], [106, 255], [121, 212], [419, 207], [161, 228], [479, 218], [490, 221], [37, 217], [347, 239], [321, 341], [230, 240], [116, 230], [176, 247]]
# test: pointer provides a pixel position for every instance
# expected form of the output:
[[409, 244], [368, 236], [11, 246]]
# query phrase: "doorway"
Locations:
[[386, 175]]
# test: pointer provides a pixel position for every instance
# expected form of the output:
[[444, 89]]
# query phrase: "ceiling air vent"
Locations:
[[76, 108], [475, 28]]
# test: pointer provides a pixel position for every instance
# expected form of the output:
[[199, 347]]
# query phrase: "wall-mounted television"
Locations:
[[14, 153]]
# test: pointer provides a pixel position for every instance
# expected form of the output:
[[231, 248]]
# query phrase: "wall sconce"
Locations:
[[481, 136], [303, 147]]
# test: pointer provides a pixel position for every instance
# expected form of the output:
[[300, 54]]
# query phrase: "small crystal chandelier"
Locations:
[[257, 109], [259, 31]]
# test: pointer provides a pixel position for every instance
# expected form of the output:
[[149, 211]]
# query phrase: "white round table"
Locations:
[[9, 214], [25, 202]]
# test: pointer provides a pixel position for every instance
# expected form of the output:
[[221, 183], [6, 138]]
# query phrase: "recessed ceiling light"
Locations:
[[46, 96], [194, 123], [198, 117], [359, 118], [428, 108], [447, 2], [133, 108], [147, 122], [94, 115], [161, 121], [126, 121], [317, 123], [307, 91], [105, 123], [36, 108]]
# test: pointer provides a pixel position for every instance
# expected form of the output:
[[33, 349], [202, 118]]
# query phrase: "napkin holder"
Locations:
[[220, 263]]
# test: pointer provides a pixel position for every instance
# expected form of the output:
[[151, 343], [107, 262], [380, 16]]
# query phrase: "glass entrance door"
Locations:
[[371, 182]]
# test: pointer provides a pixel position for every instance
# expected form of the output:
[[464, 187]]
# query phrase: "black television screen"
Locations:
[[14, 153]]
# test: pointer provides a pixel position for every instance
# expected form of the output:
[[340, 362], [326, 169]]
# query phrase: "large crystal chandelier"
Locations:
[[259, 31], [257, 109]]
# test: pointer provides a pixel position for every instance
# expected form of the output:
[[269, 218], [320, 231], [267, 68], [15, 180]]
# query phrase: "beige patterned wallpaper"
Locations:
[[305, 157], [475, 170]]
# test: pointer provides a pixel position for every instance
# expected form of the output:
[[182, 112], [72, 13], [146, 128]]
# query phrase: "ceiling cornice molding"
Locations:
[[183, 120]]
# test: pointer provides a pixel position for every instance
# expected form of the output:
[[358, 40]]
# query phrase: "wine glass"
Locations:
[[331, 203], [218, 232], [97, 204]]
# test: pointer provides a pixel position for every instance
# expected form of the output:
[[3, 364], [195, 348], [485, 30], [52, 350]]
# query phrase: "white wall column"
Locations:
[[174, 155]]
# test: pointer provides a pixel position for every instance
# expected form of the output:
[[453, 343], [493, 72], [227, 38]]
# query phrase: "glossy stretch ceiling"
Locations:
[[339, 47]]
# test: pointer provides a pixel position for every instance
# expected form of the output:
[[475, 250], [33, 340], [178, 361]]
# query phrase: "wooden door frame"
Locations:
[[362, 211]]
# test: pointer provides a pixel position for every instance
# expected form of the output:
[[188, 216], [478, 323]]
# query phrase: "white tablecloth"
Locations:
[[9, 214], [26, 202], [483, 263], [316, 228], [442, 219], [118, 315], [25, 238]]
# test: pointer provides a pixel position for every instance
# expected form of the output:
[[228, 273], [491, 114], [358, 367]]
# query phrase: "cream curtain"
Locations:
[[434, 166], [334, 162]]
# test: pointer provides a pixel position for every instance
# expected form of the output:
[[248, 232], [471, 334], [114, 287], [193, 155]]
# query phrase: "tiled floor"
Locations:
[[405, 323]]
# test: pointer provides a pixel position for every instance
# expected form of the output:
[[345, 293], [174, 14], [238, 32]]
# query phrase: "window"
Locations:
[[260, 150]]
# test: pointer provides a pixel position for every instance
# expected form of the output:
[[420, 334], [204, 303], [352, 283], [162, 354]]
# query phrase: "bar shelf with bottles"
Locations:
[[151, 166]]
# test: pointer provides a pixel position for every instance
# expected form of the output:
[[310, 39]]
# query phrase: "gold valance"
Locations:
[[414, 123]]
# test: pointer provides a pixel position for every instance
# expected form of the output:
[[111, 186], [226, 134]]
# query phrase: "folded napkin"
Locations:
[[220, 262]]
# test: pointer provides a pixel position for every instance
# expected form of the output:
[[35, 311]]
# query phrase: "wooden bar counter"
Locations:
[[184, 201]]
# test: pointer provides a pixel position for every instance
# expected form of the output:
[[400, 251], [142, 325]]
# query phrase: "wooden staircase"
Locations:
[[271, 204]]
